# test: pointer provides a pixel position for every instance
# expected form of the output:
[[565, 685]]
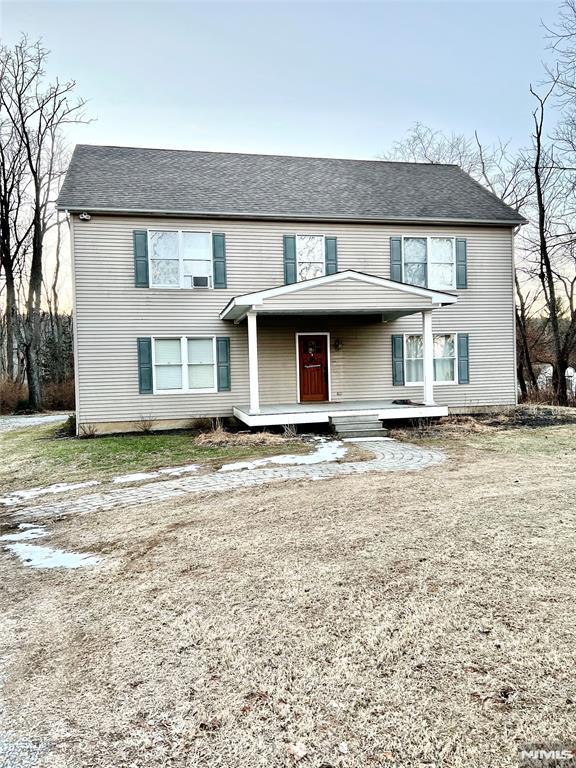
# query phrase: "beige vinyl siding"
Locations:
[[345, 295], [111, 313]]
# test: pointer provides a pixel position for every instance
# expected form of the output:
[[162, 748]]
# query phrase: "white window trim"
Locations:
[[184, 366], [428, 238], [310, 234], [436, 383], [180, 286], [328, 361]]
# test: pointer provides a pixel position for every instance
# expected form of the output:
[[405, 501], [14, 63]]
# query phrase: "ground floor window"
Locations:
[[185, 364], [444, 358]]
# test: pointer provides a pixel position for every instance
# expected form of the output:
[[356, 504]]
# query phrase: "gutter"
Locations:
[[289, 217]]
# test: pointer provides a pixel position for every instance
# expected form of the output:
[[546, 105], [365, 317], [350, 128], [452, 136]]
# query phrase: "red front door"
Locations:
[[313, 366]]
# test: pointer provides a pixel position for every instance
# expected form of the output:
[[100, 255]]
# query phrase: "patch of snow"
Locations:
[[172, 471], [28, 531], [36, 556], [31, 493], [135, 478], [327, 450], [179, 470]]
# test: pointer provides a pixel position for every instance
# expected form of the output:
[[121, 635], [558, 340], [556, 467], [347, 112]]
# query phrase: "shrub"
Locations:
[[59, 396], [145, 425], [13, 394], [68, 429], [87, 431]]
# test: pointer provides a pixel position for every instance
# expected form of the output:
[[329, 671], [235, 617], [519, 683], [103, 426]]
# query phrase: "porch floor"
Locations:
[[317, 413]]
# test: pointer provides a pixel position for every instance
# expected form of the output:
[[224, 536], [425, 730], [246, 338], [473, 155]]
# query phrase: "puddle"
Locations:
[[40, 556], [31, 493], [36, 556], [27, 532], [326, 450]]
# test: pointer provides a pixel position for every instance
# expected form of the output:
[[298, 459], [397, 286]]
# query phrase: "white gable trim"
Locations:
[[258, 297]]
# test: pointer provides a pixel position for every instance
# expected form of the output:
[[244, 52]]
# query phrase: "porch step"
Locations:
[[363, 433], [357, 426]]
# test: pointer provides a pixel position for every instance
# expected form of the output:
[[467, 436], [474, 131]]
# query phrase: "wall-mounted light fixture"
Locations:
[[84, 216], [338, 344]]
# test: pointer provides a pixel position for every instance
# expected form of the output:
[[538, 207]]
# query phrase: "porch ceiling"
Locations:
[[345, 293]]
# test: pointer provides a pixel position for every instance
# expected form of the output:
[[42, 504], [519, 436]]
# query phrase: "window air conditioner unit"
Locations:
[[200, 281]]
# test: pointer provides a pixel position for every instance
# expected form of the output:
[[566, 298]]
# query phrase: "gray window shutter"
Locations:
[[463, 359], [331, 255], [223, 363], [461, 263], [145, 365], [140, 237], [219, 260], [398, 360], [396, 259], [289, 259]]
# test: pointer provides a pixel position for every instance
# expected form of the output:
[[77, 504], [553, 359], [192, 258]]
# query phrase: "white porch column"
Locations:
[[428, 339], [253, 363]]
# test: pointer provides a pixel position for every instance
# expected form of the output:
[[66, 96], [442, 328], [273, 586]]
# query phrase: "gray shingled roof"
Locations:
[[272, 186]]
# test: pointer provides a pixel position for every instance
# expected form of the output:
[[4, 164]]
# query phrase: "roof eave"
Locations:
[[320, 218]]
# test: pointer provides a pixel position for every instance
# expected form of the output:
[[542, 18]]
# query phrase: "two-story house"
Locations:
[[285, 290]]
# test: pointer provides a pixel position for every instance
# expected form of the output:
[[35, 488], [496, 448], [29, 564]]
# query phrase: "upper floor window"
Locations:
[[310, 257], [429, 262], [180, 259]]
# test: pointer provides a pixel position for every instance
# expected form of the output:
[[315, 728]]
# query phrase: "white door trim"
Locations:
[[329, 362]]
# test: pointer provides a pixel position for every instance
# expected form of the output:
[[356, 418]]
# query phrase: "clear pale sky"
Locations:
[[326, 78]]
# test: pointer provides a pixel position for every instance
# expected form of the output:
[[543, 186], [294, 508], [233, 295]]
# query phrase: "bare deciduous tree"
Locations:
[[35, 114]]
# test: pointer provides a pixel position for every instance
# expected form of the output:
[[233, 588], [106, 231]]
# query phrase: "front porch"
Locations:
[[318, 413], [328, 343]]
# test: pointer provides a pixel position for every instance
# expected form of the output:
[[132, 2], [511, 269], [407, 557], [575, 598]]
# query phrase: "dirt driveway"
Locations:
[[411, 619]]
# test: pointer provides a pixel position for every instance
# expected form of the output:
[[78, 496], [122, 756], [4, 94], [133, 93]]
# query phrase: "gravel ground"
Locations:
[[10, 423]]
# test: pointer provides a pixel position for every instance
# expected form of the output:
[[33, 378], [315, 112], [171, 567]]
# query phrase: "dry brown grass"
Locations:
[[489, 423], [419, 619], [220, 437]]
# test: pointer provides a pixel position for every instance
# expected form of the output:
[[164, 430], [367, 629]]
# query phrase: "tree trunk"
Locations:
[[33, 318], [33, 378], [559, 381], [11, 319], [521, 380], [522, 326]]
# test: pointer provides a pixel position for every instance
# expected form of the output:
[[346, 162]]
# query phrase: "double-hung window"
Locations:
[[310, 257], [185, 364], [429, 262], [180, 259], [444, 358]]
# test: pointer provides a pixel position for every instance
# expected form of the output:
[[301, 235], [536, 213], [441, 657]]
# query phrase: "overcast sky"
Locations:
[[335, 79]]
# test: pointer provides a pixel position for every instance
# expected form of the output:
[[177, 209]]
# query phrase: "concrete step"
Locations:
[[363, 433], [356, 425], [344, 420], [354, 416]]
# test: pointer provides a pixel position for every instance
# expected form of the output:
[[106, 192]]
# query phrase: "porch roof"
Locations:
[[349, 292]]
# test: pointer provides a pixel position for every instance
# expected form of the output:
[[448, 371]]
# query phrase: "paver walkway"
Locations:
[[390, 455]]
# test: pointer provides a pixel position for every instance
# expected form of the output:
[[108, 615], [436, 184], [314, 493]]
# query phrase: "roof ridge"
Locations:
[[265, 154]]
